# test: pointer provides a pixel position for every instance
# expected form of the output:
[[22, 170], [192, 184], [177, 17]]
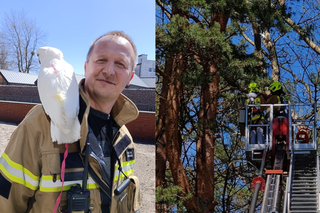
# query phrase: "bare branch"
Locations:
[[22, 38], [300, 81]]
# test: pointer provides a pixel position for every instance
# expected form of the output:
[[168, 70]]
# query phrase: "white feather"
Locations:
[[59, 95], [263, 36], [252, 95]]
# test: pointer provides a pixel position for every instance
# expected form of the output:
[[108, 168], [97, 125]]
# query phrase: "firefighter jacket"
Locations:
[[31, 164], [257, 112], [276, 99]]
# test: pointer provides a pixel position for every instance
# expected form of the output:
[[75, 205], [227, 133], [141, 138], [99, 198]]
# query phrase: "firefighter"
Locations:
[[277, 97], [255, 114]]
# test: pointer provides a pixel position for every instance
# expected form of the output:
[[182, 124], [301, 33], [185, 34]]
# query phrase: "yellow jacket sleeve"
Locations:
[[19, 170]]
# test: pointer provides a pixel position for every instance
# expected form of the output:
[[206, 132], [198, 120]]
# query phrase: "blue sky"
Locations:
[[71, 25]]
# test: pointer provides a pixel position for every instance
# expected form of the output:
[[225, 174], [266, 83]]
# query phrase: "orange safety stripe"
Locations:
[[274, 171]]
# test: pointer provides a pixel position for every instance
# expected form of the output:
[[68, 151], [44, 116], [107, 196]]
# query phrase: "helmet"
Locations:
[[275, 86], [253, 87]]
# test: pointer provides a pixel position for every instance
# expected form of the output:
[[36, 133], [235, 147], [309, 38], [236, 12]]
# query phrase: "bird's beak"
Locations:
[[39, 59]]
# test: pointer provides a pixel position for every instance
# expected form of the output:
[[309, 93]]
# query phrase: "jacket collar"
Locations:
[[123, 111]]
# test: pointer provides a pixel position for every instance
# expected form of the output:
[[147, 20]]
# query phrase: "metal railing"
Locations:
[[266, 125], [292, 148], [293, 126]]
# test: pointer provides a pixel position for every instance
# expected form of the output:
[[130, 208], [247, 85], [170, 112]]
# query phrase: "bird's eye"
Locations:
[[37, 54]]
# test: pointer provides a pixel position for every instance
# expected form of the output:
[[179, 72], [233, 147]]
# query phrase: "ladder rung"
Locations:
[[304, 203], [305, 207], [304, 187], [302, 200], [304, 177], [305, 184], [306, 181], [303, 192], [303, 195]]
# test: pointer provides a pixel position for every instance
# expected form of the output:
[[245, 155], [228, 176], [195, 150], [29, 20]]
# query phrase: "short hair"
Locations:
[[117, 34]]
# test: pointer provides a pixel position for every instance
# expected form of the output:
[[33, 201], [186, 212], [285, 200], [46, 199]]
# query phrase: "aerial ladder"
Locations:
[[288, 159]]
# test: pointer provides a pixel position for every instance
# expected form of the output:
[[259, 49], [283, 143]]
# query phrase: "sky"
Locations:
[[72, 25]]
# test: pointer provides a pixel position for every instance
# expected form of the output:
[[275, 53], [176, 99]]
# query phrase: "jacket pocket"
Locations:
[[53, 163], [135, 194], [129, 200], [122, 202]]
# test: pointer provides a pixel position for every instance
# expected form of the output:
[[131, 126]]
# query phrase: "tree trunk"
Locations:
[[272, 57], [205, 144], [161, 155], [172, 130]]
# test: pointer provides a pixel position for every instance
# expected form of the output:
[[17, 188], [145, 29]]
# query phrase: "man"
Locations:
[[31, 164], [277, 97], [255, 113]]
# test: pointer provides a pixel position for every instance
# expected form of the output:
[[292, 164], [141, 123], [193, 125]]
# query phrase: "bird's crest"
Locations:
[[49, 52]]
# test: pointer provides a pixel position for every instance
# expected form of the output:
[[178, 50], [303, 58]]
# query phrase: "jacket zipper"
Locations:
[[95, 176], [115, 137], [99, 182], [96, 158]]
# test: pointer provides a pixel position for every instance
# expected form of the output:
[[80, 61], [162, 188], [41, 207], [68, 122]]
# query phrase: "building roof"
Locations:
[[13, 77], [150, 82], [79, 78], [29, 79], [136, 81]]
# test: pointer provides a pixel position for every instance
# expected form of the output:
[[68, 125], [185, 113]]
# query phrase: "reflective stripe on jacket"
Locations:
[[275, 99], [257, 114], [30, 166]]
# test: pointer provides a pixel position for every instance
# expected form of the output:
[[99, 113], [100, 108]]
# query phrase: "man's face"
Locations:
[[108, 69]]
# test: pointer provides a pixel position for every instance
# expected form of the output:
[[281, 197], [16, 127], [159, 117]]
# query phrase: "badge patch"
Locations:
[[130, 154]]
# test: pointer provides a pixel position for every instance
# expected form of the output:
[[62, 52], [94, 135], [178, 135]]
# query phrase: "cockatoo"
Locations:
[[251, 96], [59, 95]]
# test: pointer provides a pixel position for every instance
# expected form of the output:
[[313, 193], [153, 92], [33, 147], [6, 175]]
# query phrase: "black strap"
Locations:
[[96, 179]]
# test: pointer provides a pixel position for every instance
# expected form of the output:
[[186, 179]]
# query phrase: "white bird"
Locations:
[[263, 36], [251, 96], [59, 95]]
